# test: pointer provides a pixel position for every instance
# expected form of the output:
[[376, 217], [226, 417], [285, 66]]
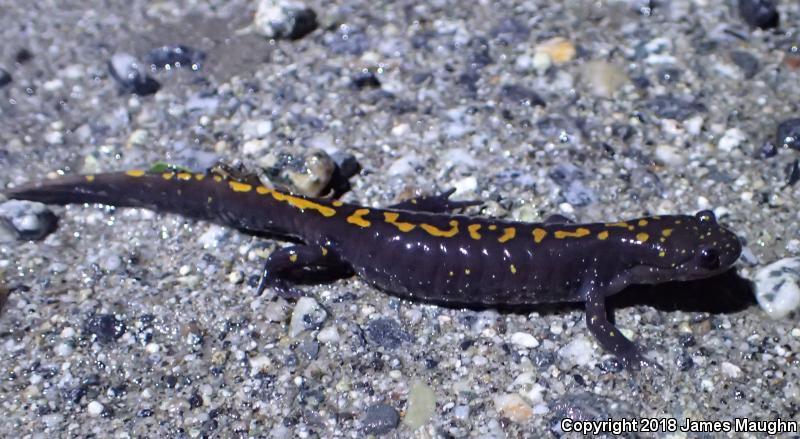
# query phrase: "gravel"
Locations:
[[124, 322]]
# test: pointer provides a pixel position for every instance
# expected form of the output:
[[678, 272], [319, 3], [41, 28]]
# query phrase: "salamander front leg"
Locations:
[[288, 266], [609, 337], [440, 203]]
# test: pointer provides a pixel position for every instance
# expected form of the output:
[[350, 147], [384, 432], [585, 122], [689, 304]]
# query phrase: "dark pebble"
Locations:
[[380, 419], [131, 75], [303, 22], [542, 359], [768, 150], [27, 220], [793, 173], [365, 79], [521, 95], [789, 134], [387, 333], [746, 62], [195, 401], [670, 107], [759, 13], [687, 340], [175, 56], [469, 79], [5, 78], [669, 75], [346, 163], [684, 362], [106, 327], [23, 55], [480, 56]]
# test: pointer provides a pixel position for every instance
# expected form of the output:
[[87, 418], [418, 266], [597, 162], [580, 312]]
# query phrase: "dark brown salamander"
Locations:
[[419, 251]]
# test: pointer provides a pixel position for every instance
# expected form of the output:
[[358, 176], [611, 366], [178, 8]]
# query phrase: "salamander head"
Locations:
[[686, 248]]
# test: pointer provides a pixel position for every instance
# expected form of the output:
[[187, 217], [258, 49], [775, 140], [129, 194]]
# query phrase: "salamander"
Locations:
[[420, 250]]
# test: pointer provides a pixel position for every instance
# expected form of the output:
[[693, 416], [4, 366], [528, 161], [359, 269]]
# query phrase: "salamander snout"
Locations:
[[718, 247]]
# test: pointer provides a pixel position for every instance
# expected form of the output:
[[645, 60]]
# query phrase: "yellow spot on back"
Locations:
[[435, 231], [324, 251], [167, 175], [134, 173], [357, 218], [302, 203], [642, 222], [642, 237], [580, 232], [391, 218], [199, 177], [513, 269], [240, 187], [603, 235], [451, 274], [539, 234], [338, 203], [618, 224], [184, 176], [262, 190], [217, 178], [678, 221], [666, 232], [662, 253], [473, 231], [293, 257], [492, 226], [508, 234], [90, 178], [467, 271]]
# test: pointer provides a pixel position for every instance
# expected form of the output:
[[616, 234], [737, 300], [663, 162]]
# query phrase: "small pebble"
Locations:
[[746, 62], [513, 407], [521, 95], [284, 19], [671, 107], [387, 332], [27, 220], [307, 315], [670, 155], [421, 405], [328, 335], [777, 287], [5, 77], [105, 327], [94, 408], [732, 138], [730, 370], [559, 49], [759, 13], [380, 419], [603, 78], [523, 339], [131, 75], [578, 351], [788, 134]]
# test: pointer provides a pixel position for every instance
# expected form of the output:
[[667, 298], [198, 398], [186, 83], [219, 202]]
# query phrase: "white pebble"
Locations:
[[307, 314], [732, 138], [523, 339], [731, 370], [776, 287], [63, 349], [152, 348], [94, 408], [328, 335], [578, 351], [669, 155]]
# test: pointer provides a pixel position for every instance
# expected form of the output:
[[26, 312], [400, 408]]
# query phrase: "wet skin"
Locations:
[[418, 250]]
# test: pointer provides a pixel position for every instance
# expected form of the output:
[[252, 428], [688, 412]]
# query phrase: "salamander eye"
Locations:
[[706, 216], [709, 258]]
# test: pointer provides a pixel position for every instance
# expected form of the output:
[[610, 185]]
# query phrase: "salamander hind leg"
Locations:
[[610, 338], [300, 263], [439, 203]]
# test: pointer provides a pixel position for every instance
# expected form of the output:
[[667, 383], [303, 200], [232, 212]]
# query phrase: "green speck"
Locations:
[[159, 167]]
